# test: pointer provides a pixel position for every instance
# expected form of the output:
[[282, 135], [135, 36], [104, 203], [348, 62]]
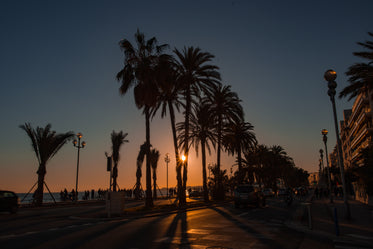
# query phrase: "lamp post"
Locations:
[[167, 160], [322, 159], [324, 132], [330, 77], [79, 146]]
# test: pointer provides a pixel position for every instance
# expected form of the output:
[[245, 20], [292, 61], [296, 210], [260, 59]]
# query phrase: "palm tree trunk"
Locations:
[[149, 199], [205, 191], [154, 184], [239, 158], [138, 182], [220, 191], [186, 145], [40, 190], [115, 175], [177, 157]]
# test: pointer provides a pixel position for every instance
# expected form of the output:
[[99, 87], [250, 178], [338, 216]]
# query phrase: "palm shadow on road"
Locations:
[[263, 238], [172, 237]]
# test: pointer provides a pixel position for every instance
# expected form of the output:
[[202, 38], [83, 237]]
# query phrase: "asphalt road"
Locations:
[[210, 227]]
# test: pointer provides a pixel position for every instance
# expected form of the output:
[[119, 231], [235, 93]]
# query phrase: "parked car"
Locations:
[[9, 201], [268, 192], [248, 194]]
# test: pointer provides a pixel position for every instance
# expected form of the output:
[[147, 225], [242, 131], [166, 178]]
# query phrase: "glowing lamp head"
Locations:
[[83, 144], [330, 75], [79, 135], [324, 132], [75, 142]]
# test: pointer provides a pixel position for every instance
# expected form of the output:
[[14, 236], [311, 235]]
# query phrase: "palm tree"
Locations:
[[117, 139], [261, 157], [195, 74], [360, 74], [154, 157], [249, 163], [226, 108], [138, 71], [238, 137], [201, 132], [46, 144], [139, 162], [169, 90]]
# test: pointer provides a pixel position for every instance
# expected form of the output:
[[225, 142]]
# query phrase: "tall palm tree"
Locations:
[[117, 139], [360, 74], [195, 74], [169, 91], [154, 157], [226, 108], [201, 133], [45, 143], [138, 71], [238, 137]]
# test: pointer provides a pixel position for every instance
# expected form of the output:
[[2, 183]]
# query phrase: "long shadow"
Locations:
[[248, 229], [171, 235], [48, 239]]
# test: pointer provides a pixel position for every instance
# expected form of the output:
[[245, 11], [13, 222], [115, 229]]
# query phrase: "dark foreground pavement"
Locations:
[[276, 226], [328, 220]]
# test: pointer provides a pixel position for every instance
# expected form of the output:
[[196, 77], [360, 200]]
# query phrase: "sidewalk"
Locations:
[[358, 231]]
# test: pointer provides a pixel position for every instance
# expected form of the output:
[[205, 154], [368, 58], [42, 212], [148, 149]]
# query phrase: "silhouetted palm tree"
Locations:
[[225, 108], [154, 157], [200, 132], [117, 139], [46, 144], [195, 75], [139, 162], [261, 155], [249, 164], [238, 137], [169, 90], [139, 72], [360, 74]]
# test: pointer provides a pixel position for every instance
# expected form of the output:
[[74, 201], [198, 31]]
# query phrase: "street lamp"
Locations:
[[79, 146], [167, 160], [330, 77], [324, 132]]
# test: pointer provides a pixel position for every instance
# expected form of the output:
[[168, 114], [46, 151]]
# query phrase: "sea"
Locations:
[[56, 197]]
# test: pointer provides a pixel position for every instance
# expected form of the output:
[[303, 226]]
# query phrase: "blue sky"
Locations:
[[59, 60]]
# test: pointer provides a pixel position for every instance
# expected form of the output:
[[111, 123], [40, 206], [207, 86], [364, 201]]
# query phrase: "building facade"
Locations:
[[356, 131], [356, 134]]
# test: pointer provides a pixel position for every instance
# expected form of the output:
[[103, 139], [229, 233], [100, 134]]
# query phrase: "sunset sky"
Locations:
[[59, 59]]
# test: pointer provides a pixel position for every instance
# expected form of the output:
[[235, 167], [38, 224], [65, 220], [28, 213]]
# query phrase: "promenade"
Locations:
[[356, 232]]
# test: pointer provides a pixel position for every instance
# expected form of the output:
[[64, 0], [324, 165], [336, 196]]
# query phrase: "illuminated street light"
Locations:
[[330, 77], [324, 132], [167, 160], [79, 146]]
